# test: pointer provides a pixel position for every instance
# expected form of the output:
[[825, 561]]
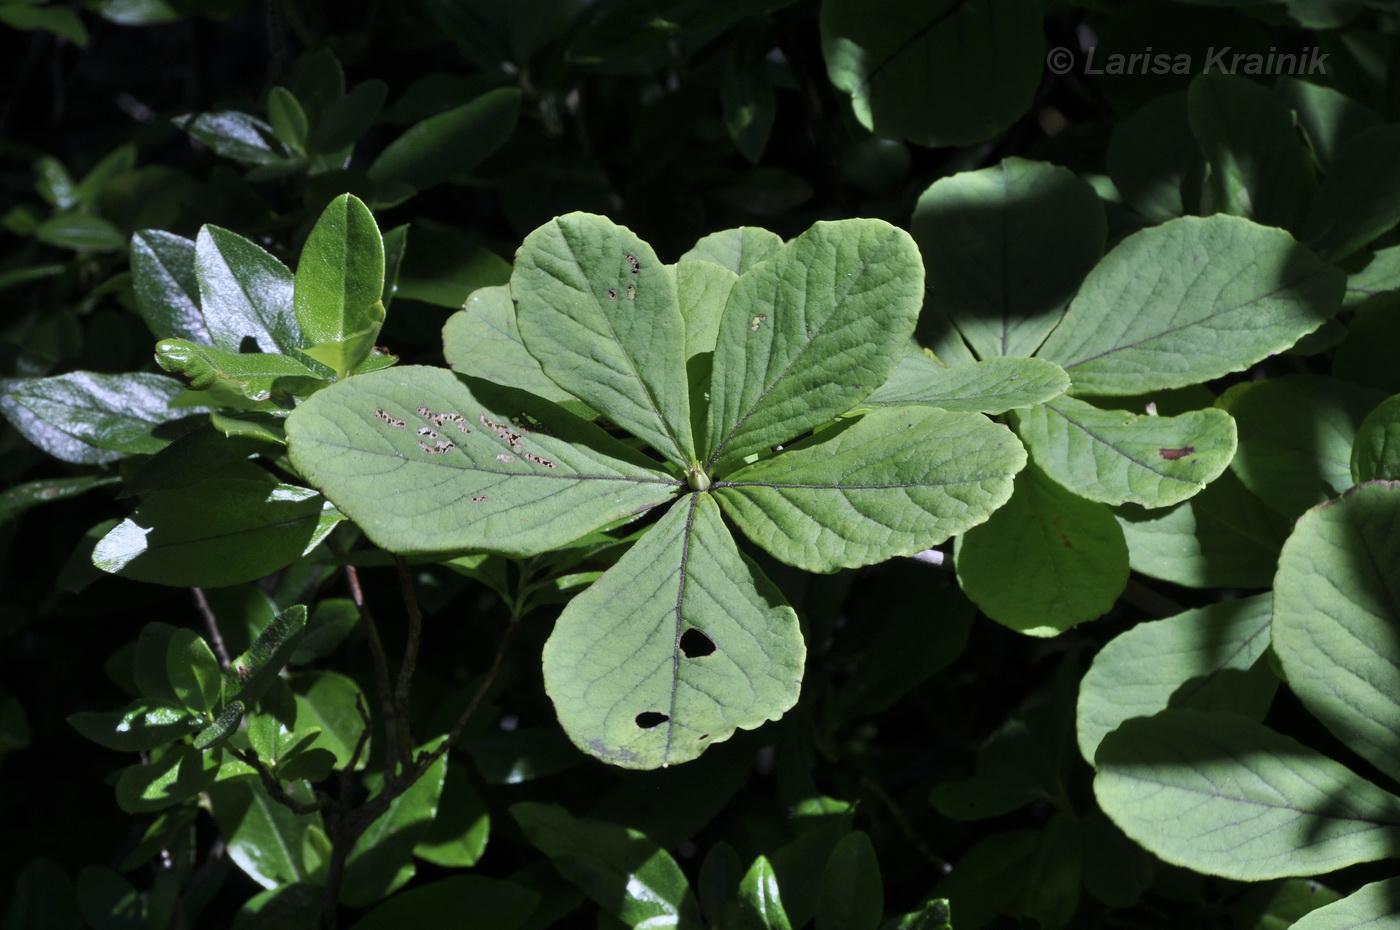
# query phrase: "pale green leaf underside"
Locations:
[[891, 483], [1045, 561], [1336, 613], [809, 333], [415, 482], [481, 340], [1372, 906], [1190, 300], [623, 685], [994, 385], [1218, 793], [1193, 659], [599, 311], [736, 249], [1119, 457]]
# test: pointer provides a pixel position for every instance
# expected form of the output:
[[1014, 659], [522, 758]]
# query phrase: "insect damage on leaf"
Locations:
[[757, 321], [1172, 455], [612, 293], [632, 260], [631, 292], [393, 421]]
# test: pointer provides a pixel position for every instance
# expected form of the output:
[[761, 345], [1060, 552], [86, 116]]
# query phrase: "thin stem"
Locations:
[[211, 623], [381, 667], [427, 759], [410, 658], [933, 859], [274, 787]]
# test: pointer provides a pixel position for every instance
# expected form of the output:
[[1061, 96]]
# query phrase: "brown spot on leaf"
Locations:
[[1172, 455]]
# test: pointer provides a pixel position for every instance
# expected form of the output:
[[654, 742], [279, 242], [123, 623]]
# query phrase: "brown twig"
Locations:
[[381, 668], [410, 658], [211, 623]]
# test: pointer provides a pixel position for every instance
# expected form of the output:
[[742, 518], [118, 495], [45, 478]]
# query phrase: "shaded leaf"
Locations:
[[142, 725], [16, 500], [89, 418], [175, 774], [449, 143], [1376, 451], [264, 838], [1360, 198], [1220, 794], [463, 900], [852, 895], [255, 375], [1371, 906]]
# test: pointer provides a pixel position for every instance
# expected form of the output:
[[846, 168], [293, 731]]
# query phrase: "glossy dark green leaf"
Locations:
[[232, 134], [450, 143], [340, 280], [16, 500], [382, 859], [896, 62], [264, 838], [1258, 166], [852, 895], [142, 725], [166, 286], [250, 674], [457, 836], [460, 901], [287, 117], [223, 726], [345, 120], [245, 294], [81, 232], [329, 701], [332, 619], [758, 904], [176, 773], [194, 672], [255, 375], [91, 418], [1006, 248], [443, 267], [622, 870], [218, 532]]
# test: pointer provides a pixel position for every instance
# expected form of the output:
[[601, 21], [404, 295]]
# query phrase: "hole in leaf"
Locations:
[[648, 719], [695, 644]]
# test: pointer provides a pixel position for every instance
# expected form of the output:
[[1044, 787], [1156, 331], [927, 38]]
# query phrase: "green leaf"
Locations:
[[1376, 451], [994, 385], [460, 901], [1006, 248], [893, 482], [931, 915], [341, 124], [174, 774], [1360, 198], [1224, 537], [629, 875], [255, 670], [245, 293], [1258, 167], [1045, 561], [340, 280], [81, 233], [1296, 436], [382, 859], [1154, 160], [898, 61], [330, 702], [746, 94], [1335, 613], [58, 20], [1221, 794], [758, 905], [108, 901], [16, 500], [808, 334], [287, 117], [149, 668], [737, 249], [1295, 898], [677, 645], [1117, 457], [141, 726], [14, 725], [481, 340], [458, 834], [599, 311], [1372, 906], [255, 375], [264, 838], [1014, 768], [239, 136], [1204, 659], [43, 899], [444, 267], [852, 896], [331, 621], [1220, 293], [89, 418], [525, 478], [194, 672], [166, 286], [218, 532], [224, 726], [449, 143], [1329, 118]]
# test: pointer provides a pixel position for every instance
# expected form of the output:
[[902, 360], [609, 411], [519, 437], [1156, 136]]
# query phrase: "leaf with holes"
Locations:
[[711, 646]]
